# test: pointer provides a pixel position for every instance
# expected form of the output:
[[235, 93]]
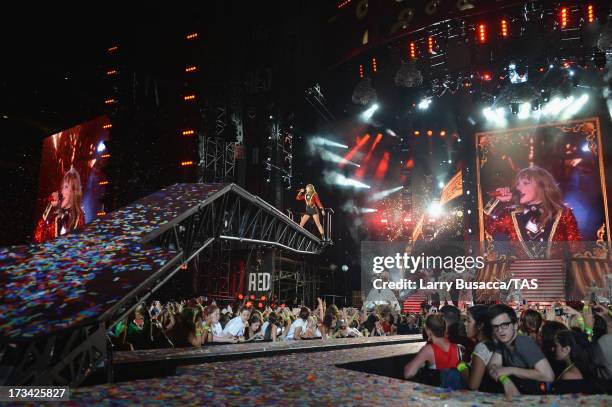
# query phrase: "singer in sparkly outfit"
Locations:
[[311, 198], [540, 218], [64, 213]]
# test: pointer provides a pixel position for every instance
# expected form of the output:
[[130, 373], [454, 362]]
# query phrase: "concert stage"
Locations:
[[298, 373], [59, 298]]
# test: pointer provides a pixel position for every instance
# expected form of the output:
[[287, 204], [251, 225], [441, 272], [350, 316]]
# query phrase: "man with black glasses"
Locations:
[[516, 355]]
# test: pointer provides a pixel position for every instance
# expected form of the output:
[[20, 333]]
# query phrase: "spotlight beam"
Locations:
[[383, 194], [356, 148]]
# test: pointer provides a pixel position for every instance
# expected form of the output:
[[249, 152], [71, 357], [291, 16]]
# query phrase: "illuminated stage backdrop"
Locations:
[[81, 147], [572, 152]]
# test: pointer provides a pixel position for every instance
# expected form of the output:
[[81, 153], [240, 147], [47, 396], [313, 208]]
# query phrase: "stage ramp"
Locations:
[[59, 298]]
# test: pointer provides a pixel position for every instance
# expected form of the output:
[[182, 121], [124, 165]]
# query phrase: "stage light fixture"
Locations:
[[435, 209], [429, 133], [430, 44], [514, 108], [361, 71], [369, 112], [590, 13], [113, 49], [107, 126], [585, 148], [101, 147], [103, 183], [186, 163], [413, 50], [424, 104], [374, 66], [188, 132], [189, 97], [442, 133], [417, 133], [191, 36], [109, 101], [345, 268], [504, 28], [482, 33], [564, 17], [191, 69]]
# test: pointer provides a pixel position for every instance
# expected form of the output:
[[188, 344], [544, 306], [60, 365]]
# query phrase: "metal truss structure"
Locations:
[[297, 279], [217, 160], [64, 359], [67, 357]]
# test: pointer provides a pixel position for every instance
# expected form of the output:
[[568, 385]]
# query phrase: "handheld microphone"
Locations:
[[494, 194]]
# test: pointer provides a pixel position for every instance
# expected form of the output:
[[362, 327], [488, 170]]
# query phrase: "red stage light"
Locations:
[[344, 3], [413, 50], [183, 267], [482, 33], [240, 297], [429, 133], [374, 67], [590, 13], [282, 305], [361, 71], [564, 17], [249, 304], [430, 45], [259, 305], [504, 28], [251, 297], [383, 166], [417, 133], [263, 298], [360, 142], [486, 76], [410, 164]]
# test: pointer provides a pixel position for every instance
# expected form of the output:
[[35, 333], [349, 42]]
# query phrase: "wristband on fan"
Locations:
[[462, 366], [503, 379]]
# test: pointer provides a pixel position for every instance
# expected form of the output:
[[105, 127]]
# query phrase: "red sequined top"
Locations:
[[50, 228], [564, 228], [310, 201]]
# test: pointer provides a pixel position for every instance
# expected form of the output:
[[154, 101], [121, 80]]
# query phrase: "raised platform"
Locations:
[[299, 378], [57, 299]]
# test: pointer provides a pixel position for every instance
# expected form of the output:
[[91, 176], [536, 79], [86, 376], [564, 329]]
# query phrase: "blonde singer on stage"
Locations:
[[311, 198]]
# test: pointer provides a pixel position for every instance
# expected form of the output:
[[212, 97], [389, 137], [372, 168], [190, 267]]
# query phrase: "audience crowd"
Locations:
[[526, 349]]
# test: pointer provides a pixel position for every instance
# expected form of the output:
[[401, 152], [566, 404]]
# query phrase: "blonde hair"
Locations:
[[311, 187], [547, 189], [75, 211]]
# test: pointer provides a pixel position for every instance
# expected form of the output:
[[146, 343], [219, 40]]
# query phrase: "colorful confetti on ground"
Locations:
[[218, 350], [77, 277], [303, 379]]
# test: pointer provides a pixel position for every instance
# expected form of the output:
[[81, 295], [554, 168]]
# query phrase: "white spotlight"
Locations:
[[424, 104], [321, 141], [101, 147], [575, 107], [383, 194], [367, 210], [524, 111], [335, 178], [435, 209], [585, 148], [441, 184], [369, 112]]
